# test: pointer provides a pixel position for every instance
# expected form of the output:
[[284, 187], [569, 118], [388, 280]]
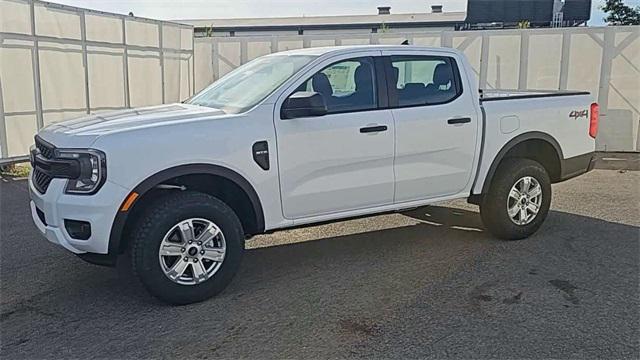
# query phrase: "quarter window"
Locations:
[[346, 86], [424, 80]]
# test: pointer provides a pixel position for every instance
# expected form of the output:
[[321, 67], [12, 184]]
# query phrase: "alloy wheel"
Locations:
[[192, 251], [524, 200]]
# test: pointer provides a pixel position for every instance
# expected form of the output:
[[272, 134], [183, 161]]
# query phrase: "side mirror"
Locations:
[[303, 104]]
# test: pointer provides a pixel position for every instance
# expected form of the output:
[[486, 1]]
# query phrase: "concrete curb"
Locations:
[[618, 161]]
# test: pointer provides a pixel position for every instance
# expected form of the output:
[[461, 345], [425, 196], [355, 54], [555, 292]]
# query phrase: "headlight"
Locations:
[[92, 170]]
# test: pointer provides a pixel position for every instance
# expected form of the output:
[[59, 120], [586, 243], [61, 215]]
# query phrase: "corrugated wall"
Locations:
[[59, 62], [602, 60]]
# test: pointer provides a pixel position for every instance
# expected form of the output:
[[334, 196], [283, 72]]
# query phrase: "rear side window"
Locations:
[[424, 80]]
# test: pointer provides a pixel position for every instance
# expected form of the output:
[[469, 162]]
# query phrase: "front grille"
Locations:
[[41, 180], [47, 150]]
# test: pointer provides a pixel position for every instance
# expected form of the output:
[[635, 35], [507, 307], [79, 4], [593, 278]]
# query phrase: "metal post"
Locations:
[[605, 71], [193, 61], [85, 60], [161, 48], [564, 60], [446, 39], [524, 60], [484, 61], [4, 148], [215, 60], [125, 65], [244, 51], [188, 60], [36, 70]]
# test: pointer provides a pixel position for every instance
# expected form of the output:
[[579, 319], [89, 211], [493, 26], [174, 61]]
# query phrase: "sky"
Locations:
[[216, 9]]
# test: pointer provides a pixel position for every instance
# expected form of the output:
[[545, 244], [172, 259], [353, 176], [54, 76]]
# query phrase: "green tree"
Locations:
[[524, 24], [620, 14]]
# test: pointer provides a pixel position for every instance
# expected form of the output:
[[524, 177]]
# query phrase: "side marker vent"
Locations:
[[261, 154]]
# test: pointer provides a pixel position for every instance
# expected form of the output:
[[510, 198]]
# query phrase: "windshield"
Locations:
[[246, 86]]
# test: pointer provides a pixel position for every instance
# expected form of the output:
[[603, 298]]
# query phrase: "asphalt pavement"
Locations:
[[430, 283]]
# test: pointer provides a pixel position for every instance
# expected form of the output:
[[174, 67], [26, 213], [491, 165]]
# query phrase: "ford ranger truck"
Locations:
[[297, 138]]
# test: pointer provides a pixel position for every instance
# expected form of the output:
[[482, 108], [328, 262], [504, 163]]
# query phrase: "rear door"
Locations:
[[343, 160], [436, 125]]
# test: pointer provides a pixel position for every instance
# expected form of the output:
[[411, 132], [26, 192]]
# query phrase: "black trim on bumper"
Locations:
[[577, 165], [99, 259]]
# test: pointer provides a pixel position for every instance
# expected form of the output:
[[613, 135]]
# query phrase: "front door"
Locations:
[[343, 160]]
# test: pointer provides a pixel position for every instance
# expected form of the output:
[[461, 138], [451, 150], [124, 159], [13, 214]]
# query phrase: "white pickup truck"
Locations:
[[297, 138]]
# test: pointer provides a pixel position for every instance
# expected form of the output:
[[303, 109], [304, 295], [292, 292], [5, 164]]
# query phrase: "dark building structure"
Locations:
[[491, 14], [480, 14]]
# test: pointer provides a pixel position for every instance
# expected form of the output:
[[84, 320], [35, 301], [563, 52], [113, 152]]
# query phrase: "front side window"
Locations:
[[347, 85], [424, 80], [245, 87]]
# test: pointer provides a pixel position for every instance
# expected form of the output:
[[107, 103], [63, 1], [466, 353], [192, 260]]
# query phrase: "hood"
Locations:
[[83, 131]]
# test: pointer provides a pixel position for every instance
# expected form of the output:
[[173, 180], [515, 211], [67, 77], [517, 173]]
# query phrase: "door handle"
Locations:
[[463, 120], [373, 129]]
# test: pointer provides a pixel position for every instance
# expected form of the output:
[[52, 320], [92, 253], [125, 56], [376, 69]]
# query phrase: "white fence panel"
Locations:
[[58, 62], [543, 72]]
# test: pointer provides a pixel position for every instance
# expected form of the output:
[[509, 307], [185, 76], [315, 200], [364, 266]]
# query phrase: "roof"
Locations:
[[319, 51], [331, 21]]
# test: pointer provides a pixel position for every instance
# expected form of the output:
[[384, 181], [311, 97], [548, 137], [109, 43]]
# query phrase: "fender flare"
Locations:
[[117, 229], [533, 135]]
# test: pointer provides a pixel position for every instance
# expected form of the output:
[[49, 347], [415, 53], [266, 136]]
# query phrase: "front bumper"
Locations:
[[99, 210]]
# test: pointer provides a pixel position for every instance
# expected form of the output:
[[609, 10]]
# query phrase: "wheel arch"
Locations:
[[550, 157], [123, 218]]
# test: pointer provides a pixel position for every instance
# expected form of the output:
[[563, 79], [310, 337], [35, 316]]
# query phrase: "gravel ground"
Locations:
[[430, 283]]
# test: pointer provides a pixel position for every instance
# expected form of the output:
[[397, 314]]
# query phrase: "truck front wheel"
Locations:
[[518, 200], [186, 247]]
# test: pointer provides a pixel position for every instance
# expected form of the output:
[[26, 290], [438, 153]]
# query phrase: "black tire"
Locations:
[[158, 219], [493, 207]]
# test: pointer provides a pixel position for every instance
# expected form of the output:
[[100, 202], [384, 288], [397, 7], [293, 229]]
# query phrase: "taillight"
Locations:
[[594, 116]]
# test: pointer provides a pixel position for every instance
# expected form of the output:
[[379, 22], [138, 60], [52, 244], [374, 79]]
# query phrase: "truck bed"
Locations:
[[545, 113]]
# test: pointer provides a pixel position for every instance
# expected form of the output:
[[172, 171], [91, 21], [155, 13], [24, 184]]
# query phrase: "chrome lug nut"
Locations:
[[186, 259]]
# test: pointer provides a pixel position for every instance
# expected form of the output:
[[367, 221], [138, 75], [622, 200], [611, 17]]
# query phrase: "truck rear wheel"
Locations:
[[518, 200], [187, 247]]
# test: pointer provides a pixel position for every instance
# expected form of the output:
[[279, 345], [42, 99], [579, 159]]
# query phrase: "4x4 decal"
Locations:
[[577, 114]]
